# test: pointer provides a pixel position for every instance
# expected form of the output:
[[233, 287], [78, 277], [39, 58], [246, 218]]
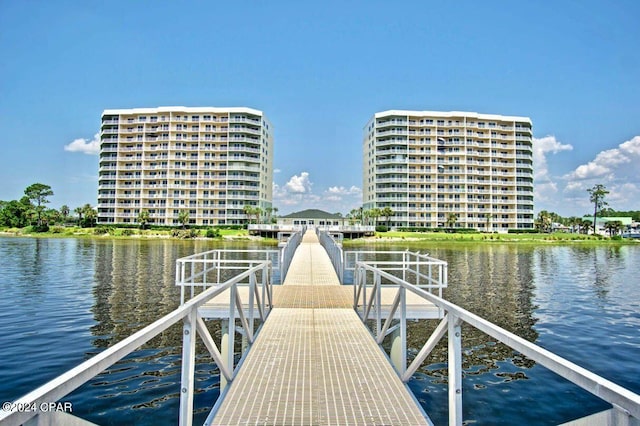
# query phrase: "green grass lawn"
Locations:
[[116, 232], [556, 237]]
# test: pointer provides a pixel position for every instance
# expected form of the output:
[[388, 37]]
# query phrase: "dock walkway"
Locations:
[[314, 362]]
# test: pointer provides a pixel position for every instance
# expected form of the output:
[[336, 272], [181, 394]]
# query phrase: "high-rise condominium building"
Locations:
[[207, 162], [450, 169]]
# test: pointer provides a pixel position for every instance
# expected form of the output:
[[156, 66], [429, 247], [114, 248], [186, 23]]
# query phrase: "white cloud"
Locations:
[[609, 163], [567, 195], [297, 194], [299, 184], [542, 147], [341, 190], [89, 147], [616, 169], [545, 187], [276, 171]]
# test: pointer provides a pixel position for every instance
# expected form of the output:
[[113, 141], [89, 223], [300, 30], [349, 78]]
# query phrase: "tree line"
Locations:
[[31, 210], [545, 220]]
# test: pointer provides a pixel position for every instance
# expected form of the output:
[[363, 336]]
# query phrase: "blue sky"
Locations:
[[319, 71]]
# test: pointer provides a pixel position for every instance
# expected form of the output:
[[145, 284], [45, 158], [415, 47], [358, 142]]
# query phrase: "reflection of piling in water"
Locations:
[[495, 283]]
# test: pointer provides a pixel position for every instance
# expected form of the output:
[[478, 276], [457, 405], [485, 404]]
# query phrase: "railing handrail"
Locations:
[[287, 251], [334, 250], [214, 261], [618, 396], [411, 264], [66, 383]]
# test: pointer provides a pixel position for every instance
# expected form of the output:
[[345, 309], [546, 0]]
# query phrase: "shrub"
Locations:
[[41, 228], [57, 230], [212, 233], [382, 228], [128, 232], [101, 230]]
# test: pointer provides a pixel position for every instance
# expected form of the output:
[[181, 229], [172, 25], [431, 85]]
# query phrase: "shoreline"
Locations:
[[134, 236], [417, 239]]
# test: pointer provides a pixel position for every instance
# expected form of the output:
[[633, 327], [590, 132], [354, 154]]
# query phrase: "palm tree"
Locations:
[[574, 223], [584, 226], [543, 222], [250, 211], [51, 216], [64, 211], [374, 213], [596, 196], [143, 218], [353, 216], [613, 227], [183, 218], [90, 215], [79, 211], [387, 212], [488, 218], [258, 212], [451, 220], [274, 211]]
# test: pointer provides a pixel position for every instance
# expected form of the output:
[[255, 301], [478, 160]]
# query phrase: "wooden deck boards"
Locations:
[[314, 362]]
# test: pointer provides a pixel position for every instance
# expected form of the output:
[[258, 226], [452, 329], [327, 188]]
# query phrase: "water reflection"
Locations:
[[580, 302], [134, 286], [77, 297], [494, 282]]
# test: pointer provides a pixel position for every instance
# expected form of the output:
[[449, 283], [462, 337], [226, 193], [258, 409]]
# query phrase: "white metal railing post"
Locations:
[[252, 289], [444, 273], [218, 253], [404, 265], [188, 367], [179, 267], [403, 330], [342, 263], [621, 417], [232, 327], [192, 278], [378, 302], [455, 370]]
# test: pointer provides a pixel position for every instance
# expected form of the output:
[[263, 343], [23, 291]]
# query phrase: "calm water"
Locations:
[[64, 300]]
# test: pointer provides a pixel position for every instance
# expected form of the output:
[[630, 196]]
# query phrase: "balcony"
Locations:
[[392, 122], [239, 129], [255, 121], [387, 170], [392, 132], [402, 160]]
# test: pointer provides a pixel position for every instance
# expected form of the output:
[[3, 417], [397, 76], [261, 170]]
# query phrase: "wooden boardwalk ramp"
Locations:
[[314, 362]]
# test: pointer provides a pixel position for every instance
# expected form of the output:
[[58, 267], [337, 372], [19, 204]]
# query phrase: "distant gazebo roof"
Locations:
[[625, 220], [312, 214]]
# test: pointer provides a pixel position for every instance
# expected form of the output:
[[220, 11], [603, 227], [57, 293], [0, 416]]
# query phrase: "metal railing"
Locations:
[[626, 404], [209, 268], [415, 268], [286, 252], [258, 278], [334, 250]]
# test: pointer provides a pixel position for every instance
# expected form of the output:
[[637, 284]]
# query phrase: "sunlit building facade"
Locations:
[[450, 169], [207, 162]]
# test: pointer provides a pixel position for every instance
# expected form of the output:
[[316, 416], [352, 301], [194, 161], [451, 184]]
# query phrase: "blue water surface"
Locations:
[[65, 300]]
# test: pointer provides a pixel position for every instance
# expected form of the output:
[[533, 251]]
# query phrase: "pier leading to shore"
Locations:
[[314, 361]]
